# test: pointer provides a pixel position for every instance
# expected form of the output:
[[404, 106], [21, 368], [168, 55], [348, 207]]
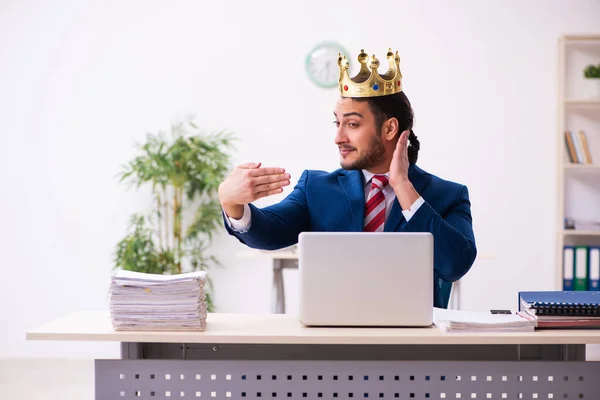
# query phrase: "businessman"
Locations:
[[378, 188]]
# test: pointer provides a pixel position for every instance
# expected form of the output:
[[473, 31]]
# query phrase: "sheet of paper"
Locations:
[[481, 321]]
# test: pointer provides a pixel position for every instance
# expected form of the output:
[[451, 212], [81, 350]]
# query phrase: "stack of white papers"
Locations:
[[481, 321], [153, 302]]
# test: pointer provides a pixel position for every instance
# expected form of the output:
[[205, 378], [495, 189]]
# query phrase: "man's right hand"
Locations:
[[247, 183]]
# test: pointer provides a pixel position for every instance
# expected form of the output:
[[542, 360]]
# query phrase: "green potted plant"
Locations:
[[593, 72], [183, 170]]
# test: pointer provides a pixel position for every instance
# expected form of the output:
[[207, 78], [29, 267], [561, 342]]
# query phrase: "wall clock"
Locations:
[[321, 64]]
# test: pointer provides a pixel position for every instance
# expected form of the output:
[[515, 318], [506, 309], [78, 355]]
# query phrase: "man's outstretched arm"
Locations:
[[271, 227]]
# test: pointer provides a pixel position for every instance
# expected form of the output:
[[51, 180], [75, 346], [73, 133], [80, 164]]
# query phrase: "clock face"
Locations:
[[321, 64]]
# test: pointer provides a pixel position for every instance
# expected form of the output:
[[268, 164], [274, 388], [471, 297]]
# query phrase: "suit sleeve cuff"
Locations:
[[241, 225], [413, 209]]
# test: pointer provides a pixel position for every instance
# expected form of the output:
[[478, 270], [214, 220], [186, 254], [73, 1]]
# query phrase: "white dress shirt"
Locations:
[[243, 224]]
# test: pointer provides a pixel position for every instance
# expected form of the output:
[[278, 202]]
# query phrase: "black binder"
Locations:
[[565, 303]]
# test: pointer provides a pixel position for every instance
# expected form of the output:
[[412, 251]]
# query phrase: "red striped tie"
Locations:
[[375, 207]]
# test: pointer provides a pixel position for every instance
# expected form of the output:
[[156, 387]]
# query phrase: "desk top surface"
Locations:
[[285, 254], [286, 329]]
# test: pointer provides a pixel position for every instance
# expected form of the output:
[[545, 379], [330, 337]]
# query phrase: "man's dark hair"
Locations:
[[395, 106]]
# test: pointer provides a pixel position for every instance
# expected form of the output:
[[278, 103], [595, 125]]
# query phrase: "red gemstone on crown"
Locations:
[[345, 87]]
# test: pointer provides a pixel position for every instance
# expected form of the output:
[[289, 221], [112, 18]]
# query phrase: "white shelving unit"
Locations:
[[578, 109]]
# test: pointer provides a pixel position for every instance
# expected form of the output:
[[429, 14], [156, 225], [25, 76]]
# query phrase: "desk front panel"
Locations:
[[259, 380]]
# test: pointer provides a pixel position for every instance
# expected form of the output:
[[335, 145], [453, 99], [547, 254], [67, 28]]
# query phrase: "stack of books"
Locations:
[[152, 302], [562, 309], [482, 321], [582, 224], [578, 148]]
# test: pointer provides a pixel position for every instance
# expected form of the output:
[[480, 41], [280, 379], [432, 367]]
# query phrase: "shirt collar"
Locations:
[[369, 175]]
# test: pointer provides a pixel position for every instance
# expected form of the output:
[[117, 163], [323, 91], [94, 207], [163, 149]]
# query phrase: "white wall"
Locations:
[[79, 81]]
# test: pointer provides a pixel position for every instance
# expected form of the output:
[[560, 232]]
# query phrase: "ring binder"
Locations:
[[564, 308]]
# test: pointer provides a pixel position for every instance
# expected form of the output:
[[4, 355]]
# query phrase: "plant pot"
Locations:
[[595, 87]]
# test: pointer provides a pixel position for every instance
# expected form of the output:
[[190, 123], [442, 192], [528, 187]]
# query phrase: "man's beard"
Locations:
[[372, 156]]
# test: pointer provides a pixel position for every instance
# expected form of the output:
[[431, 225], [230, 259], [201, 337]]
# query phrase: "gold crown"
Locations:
[[368, 82]]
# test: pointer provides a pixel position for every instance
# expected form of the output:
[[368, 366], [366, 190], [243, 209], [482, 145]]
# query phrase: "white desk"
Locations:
[[280, 260], [273, 356], [288, 258]]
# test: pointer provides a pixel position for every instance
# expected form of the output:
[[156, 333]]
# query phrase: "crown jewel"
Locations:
[[368, 82]]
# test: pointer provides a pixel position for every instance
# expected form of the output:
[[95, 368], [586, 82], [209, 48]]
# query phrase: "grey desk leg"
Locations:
[[278, 302], [132, 351]]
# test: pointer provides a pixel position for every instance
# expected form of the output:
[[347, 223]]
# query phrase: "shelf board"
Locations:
[[583, 38], [586, 167], [583, 102], [580, 232]]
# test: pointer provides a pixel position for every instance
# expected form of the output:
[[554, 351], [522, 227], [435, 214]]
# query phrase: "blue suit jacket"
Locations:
[[335, 202]]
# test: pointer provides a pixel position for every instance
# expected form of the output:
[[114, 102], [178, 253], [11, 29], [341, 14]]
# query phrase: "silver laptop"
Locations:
[[366, 278]]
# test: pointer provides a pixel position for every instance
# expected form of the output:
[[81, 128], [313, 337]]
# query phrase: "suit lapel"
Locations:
[[353, 186], [417, 178]]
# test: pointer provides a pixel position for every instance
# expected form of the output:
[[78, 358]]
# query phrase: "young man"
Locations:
[[378, 188]]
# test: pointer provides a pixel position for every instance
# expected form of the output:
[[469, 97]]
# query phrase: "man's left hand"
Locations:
[[399, 165], [404, 189]]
